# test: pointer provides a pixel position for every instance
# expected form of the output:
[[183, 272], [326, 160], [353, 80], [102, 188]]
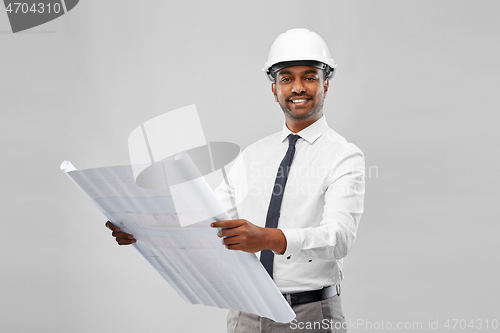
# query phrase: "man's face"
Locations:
[[300, 91]]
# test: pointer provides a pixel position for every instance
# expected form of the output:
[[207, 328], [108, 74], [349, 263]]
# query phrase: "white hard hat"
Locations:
[[299, 47]]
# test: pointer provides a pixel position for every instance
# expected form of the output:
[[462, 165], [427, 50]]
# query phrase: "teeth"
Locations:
[[299, 100]]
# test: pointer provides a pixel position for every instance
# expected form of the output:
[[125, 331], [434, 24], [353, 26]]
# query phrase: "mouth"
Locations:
[[299, 101]]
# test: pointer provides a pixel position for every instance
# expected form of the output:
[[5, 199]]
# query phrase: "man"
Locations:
[[298, 193]]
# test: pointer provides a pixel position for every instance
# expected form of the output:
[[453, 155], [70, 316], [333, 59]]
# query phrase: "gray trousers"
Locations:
[[321, 316]]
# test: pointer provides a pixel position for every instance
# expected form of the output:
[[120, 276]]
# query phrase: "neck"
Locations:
[[297, 125]]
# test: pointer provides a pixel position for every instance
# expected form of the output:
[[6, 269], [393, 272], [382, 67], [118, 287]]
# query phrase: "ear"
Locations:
[[273, 89], [326, 85]]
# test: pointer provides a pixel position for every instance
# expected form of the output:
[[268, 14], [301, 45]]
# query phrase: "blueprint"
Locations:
[[172, 227]]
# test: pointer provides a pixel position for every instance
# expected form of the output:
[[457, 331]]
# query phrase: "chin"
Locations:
[[299, 116]]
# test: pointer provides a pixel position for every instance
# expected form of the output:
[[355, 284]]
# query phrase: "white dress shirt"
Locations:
[[321, 206]]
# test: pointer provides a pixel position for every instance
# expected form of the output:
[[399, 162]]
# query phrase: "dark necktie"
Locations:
[[273, 213]]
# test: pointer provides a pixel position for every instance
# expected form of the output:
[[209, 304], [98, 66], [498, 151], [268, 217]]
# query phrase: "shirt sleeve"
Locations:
[[344, 195], [226, 192]]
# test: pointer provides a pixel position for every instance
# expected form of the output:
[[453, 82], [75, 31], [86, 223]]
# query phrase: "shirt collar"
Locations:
[[310, 133]]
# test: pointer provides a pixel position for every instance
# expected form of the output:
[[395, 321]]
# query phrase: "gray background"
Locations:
[[416, 90]]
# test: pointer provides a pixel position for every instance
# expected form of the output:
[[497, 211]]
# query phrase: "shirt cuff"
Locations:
[[293, 244]]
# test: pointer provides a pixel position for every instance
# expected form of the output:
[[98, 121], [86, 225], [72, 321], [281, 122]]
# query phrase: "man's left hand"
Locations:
[[245, 236]]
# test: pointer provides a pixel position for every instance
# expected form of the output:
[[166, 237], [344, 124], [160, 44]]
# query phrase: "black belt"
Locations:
[[313, 295]]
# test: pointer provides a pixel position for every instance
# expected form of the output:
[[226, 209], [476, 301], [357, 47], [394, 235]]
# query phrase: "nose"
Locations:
[[298, 87]]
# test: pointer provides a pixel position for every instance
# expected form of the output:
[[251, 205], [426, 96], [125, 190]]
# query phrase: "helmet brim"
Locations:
[[271, 72]]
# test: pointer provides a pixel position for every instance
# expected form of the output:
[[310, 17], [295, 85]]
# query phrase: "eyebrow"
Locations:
[[310, 71]]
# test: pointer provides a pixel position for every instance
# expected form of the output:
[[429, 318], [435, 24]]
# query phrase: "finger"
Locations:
[[231, 240], [233, 247], [126, 241], [227, 223], [110, 225], [229, 232], [220, 224], [123, 235]]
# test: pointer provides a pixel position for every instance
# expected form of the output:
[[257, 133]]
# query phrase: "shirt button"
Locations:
[[310, 260], [288, 257]]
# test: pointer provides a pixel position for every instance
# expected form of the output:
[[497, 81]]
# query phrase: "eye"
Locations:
[[285, 79], [311, 78]]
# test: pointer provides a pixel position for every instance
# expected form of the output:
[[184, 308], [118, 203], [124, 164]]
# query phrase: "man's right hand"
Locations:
[[122, 238]]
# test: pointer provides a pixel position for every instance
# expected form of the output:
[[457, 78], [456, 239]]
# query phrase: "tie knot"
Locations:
[[292, 138]]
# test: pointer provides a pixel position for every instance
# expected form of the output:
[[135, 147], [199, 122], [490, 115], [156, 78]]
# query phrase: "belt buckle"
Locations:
[[294, 299]]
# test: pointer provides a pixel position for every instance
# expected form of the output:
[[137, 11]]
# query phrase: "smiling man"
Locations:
[[298, 193]]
